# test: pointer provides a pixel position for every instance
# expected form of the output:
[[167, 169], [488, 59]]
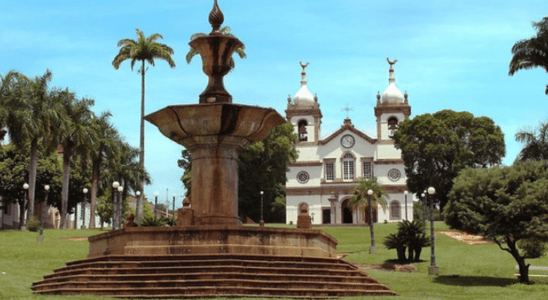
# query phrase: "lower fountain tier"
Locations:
[[214, 239]]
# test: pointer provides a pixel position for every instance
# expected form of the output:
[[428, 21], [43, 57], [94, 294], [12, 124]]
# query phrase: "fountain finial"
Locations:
[[216, 18]]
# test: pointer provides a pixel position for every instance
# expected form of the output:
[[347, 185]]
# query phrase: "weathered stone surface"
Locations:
[[214, 239]]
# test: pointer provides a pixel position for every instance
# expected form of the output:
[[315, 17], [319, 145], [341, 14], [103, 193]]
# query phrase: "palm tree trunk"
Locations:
[[94, 186], [139, 208], [65, 188], [373, 248], [33, 165]]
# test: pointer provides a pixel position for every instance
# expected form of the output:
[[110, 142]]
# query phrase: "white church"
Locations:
[[327, 170]]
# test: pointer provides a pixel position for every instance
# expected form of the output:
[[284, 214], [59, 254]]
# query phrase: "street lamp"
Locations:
[[405, 194], [261, 222], [372, 249], [120, 190], [115, 186], [423, 197], [85, 190], [155, 203], [41, 235], [26, 200], [432, 270]]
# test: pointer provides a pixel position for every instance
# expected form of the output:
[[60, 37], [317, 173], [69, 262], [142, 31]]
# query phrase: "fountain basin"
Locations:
[[220, 239]]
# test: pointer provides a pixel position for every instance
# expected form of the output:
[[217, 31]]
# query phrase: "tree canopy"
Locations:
[[533, 52], [506, 204], [536, 143], [436, 147]]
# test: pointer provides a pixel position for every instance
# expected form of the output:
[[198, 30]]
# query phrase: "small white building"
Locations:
[[326, 172]]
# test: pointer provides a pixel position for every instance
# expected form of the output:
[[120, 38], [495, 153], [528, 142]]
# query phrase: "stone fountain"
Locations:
[[210, 253]]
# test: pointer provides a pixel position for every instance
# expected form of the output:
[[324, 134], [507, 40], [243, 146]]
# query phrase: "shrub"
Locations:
[[33, 225], [410, 236], [398, 242], [151, 221]]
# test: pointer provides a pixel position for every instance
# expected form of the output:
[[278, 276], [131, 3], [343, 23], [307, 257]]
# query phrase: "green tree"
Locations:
[[143, 49], [533, 52], [225, 30], [506, 204], [536, 143], [75, 136], [436, 147], [32, 116], [14, 171], [263, 167], [360, 202], [104, 146]]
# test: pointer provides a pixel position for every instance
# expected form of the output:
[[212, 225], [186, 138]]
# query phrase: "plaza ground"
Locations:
[[480, 271]]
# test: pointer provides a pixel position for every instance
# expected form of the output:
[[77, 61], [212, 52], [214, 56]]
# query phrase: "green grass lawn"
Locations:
[[466, 272]]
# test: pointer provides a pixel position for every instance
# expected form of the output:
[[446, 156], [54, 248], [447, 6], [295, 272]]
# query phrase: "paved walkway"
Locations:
[[470, 239]]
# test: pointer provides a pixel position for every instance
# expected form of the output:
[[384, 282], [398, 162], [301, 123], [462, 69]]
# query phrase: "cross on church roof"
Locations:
[[347, 109]]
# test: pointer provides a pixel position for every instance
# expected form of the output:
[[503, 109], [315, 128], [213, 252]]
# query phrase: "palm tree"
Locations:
[[362, 201], [104, 145], [7, 84], [75, 136], [125, 169], [225, 30], [533, 52], [536, 143], [143, 49], [33, 114]]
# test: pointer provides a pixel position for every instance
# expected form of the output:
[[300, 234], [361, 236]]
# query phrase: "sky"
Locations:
[[451, 55]]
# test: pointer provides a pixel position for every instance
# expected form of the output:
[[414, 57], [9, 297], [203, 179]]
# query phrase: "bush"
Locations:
[[410, 235], [398, 242], [33, 225], [151, 221]]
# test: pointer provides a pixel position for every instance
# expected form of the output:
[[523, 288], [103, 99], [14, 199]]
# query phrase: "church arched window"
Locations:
[[392, 126], [395, 210], [303, 134]]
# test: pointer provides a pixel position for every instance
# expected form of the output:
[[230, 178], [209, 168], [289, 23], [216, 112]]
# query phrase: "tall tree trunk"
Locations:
[[67, 153], [33, 166], [96, 167], [139, 208]]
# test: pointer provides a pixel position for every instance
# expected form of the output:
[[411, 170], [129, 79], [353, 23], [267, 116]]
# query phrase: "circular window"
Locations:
[[303, 177], [394, 174]]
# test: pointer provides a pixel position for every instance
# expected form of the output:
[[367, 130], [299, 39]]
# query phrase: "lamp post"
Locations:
[[115, 186], [85, 191], [42, 217], [432, 270], [405, 194], [372, 249], [261, 222], [120, 200], [155, 204], [25, 200], [423, 197]]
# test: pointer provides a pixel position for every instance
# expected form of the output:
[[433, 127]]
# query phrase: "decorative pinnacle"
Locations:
[[216, 18]]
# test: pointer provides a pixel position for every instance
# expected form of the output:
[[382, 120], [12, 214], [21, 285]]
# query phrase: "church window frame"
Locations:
[[302, 131], [367, 167], [395, 210], [329, 171], [392, 125], [348, 166]]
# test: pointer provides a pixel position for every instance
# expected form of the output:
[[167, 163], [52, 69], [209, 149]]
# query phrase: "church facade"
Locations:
[[327, 170]]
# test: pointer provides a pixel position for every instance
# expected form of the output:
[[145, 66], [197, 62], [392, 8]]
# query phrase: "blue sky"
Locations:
[[451, 55]]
